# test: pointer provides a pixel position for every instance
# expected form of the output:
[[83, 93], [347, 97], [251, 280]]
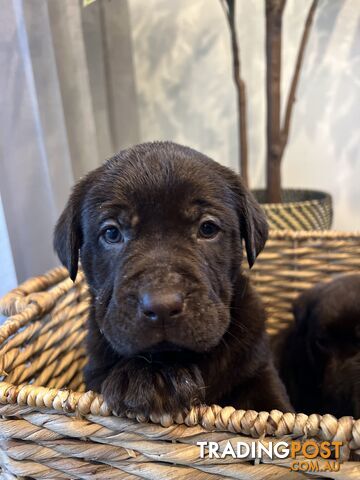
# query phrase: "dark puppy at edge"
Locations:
[[173, 322], [320, 353]]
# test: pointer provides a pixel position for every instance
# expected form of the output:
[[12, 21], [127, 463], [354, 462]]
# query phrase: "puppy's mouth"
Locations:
[[167, 352], [163, 347]]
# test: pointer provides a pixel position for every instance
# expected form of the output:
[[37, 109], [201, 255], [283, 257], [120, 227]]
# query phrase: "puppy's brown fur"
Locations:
[[320, 354], [214, 349]]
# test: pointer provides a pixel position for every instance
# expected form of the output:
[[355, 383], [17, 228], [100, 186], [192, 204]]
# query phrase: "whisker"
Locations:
[[233, 336], [225, 343], [226, 307], [241, 326], [149, 360]]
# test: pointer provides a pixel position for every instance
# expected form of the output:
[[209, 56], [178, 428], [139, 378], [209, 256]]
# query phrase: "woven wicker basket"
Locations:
[[300, 210], [51, 428]]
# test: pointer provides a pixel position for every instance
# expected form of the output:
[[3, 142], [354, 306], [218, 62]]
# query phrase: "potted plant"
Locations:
[[295, 209]]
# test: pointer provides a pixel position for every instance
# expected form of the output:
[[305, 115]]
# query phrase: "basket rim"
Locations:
[[308, 234], [211, 417], [322, 199]]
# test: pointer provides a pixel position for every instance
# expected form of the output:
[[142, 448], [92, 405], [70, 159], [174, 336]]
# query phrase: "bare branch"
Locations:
[[274, 13], [225, 7], [229, 9], [295, 79]]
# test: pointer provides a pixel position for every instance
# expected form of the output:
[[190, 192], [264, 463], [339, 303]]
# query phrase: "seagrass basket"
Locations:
[[51, 428], [299, 210]]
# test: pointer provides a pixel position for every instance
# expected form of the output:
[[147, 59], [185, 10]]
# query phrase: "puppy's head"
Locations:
[[160, 228], [328, 315], [328, 327]]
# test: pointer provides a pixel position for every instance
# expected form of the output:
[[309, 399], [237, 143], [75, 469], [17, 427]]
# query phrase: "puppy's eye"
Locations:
[[112, 235], [208, 229]]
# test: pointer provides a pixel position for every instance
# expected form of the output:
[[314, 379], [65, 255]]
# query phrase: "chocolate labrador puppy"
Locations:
[[320, 355], [174, 321]]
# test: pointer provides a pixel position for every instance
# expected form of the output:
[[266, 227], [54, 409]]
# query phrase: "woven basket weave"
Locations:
[[301, 210], [51, 428]]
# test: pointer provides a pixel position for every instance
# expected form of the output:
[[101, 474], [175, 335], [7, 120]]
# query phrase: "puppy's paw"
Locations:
[[144, 388]]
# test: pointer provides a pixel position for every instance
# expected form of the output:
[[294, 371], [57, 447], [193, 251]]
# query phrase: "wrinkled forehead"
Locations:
[[160, 189]]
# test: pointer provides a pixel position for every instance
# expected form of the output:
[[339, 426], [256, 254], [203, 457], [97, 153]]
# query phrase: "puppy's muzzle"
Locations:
[[161, 306]]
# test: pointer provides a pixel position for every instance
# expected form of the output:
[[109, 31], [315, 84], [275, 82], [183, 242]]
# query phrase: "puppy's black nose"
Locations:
[[161, 305]]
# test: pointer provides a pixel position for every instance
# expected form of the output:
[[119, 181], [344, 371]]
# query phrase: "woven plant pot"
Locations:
[[51, 428], [300, 210]]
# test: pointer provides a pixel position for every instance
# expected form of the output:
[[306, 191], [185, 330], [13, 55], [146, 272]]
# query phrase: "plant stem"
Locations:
[[229, 8], [277, 137], [274, 13], [295, 79]]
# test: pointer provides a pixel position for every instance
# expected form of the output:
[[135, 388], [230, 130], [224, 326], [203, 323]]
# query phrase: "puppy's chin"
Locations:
[[163, 347], [167, 352], [161, 350]]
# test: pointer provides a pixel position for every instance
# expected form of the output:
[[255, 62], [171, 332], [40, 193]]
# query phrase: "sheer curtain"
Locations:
[[67, 101]]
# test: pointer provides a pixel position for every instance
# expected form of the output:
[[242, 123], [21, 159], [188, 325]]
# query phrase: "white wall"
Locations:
[[185, 90]]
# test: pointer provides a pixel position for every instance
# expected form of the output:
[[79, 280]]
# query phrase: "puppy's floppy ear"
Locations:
[[68, 235], [253, 224], [304, 309], [301, 310]]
